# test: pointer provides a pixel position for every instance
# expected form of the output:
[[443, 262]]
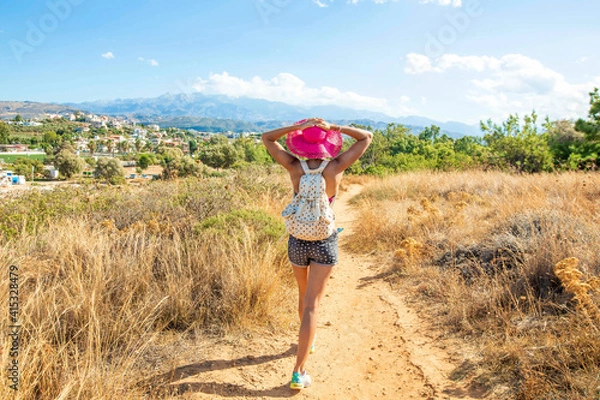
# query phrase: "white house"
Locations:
[[139, 133], [115, 124]]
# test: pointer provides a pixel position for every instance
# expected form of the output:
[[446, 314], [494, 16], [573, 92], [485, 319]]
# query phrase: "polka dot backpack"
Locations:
[[309, 216]]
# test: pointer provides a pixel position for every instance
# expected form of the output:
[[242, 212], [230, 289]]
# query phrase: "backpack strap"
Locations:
[[305, 167], [318, 170], [321, 167]]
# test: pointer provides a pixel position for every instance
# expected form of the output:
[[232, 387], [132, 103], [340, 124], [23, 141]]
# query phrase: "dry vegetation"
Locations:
[[509, 263], [109, 276]]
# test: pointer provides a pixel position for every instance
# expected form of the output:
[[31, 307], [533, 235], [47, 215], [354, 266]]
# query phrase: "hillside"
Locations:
[[30, 110]]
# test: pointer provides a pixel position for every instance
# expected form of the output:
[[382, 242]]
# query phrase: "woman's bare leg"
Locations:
[[318, 275], [301, 275]]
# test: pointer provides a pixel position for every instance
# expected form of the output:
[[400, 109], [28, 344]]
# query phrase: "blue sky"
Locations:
[[461, 60]]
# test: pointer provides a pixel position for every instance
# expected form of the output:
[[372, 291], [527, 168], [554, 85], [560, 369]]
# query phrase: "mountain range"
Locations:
[[184, 110], [217, 112]]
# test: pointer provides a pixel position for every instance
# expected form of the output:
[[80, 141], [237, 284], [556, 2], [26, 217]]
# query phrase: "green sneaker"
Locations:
[[300, 381]]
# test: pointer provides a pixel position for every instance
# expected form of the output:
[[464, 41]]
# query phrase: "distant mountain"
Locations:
[[31, 110], [218, 113], [200, 105], [184, 110]]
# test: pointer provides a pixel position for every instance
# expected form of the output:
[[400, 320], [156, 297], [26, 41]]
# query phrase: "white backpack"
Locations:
[[309, 216]]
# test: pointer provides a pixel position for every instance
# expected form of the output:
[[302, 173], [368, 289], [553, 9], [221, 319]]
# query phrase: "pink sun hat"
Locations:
[[314, 142]]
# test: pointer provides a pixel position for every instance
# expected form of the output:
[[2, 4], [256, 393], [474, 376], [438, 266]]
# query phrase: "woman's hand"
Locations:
[[320, 122], [309, 123]]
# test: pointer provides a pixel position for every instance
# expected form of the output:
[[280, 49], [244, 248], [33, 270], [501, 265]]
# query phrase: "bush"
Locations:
[[182, 167], [68, 164], [222, 155], [110, 169], [4, 133], [144, 161], [22, 166], [518, 147], [267, 228]]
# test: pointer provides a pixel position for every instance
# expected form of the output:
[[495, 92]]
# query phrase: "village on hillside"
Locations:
[[32, 149]]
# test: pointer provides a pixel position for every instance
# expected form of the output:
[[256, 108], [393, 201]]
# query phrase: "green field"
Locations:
[[10, 158]]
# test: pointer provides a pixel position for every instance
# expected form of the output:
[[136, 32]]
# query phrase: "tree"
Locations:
[[50, 137], [193, 146], [430, 133], [123, 147], [590, 128], [68, 164], [18, 118], [4, 133], [110, 145], [144, 161], [516, 146], [64, 146], [564, 141], [109, 169], [169, 153], [221, 155], [22, 166], [92, 145], [139, 145], [252, 152], [181, 167]]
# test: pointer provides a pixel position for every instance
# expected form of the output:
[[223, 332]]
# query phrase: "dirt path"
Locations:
[[370, 345]]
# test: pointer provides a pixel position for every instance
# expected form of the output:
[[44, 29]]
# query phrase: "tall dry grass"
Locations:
[[490, 257], [106, 275]]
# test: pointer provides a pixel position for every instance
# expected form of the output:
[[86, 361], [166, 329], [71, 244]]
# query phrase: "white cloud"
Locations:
[[420, 63], [453, 3], [153, 63], [582, 60], [288, 88], [512, 83], [109, 55], [417, 64], [320, 3]]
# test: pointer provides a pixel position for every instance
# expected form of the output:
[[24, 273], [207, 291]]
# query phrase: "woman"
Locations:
[[313, 261]]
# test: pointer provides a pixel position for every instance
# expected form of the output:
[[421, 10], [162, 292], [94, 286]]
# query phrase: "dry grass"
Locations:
[[490, 256], [106, 274]]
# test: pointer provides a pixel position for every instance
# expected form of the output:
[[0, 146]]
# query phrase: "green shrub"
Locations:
[[110, 169], [264, 226], [68, 164]]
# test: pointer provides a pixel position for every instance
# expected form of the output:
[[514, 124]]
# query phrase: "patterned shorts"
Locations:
[[322, 252]]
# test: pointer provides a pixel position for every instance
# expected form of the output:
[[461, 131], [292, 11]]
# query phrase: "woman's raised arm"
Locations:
[[363, 140], [276, 150]]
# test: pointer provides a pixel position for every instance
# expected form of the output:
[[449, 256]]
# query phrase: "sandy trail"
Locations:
[[370, 345]]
